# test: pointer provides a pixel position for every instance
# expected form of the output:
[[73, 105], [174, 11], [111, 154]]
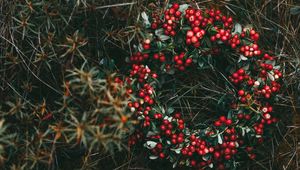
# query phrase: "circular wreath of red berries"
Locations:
[[178, 39]]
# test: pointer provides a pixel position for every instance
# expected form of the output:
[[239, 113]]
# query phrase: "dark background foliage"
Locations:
[[44, 45]]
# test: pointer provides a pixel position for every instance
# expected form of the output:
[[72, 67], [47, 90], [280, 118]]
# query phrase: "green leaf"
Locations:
[[178, 150], [150, 144], [237, 28], [229, 115], [295, 10], [159, 45], [150, 133], [152, 157], [242, 58], [146, 19], [174, 164], [220, 140], [159, 32], [212, 30], [206, 157], [207, 42], [186, 28], [163, 37], [243, 131], [183, 7], [170, 110], [271, 77]]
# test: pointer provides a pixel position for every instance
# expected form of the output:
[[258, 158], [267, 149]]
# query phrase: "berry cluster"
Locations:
[[171, 129], [266, 67], [156, 20], [277, 74], [243, 96], [216, 16], [194, 36], [141, 72], [181, 63], [259, 127], [223, 35], [239, 76], [267, 57], [138, 107], [242, 116], [195, 17], [267, 90], [234, 41], [256, 81], [145, 93], [253, 35], [228, 148], [139, 57], [135, 138], [158, 150], [250, 50], [250, 150], [159, 56], [223, 121], [146, 44], [196, 147], [167, 127], [172, 17]]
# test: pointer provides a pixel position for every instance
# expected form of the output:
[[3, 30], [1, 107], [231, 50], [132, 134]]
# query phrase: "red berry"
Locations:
[[194, 39], [217, 123], [241, 93], [217, 155], [228, 122], [190, 34], [223, 119], [241, 71], [175, 6], [162, 155], [188, 61]]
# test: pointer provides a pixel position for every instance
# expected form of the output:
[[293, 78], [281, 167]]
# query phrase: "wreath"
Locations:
[[181, 37]]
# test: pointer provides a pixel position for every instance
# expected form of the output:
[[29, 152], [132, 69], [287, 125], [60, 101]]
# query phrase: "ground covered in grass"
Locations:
[[62, 105]]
